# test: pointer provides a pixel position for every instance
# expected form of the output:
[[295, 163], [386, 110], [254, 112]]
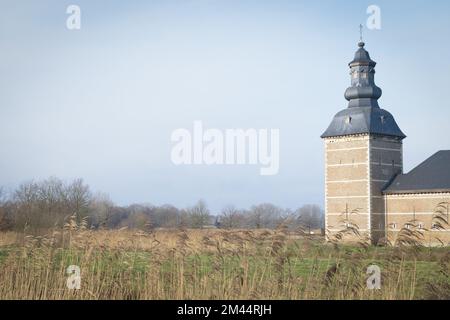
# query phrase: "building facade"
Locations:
[[365, 188]]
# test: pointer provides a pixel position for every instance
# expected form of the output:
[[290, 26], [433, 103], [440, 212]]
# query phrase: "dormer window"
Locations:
[[348, 120]]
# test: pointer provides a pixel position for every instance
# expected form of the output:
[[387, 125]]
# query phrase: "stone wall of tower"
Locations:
[[347, 184], [357, 168], [386, 161]]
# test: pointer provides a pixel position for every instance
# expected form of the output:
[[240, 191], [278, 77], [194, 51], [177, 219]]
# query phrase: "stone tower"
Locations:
[[363, 153]]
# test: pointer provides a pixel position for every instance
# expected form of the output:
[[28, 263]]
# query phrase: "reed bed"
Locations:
[[212, 264]]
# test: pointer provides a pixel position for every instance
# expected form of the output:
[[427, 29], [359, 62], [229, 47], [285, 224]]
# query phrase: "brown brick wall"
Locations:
[[384, 142], [386, 156], [343, 156], [419, 207], [385, 163], [346, 142], [354, 188], [338, 205], [346, 181], [378, 205], [347, 172], [336, 221]]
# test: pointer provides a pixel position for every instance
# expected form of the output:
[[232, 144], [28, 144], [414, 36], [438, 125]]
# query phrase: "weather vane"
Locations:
[[360, 33]]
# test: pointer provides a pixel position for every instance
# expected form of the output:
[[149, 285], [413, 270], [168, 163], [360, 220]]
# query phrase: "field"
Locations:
[[213, 264]]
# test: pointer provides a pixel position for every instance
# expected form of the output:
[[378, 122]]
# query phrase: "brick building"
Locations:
[[365, 187]]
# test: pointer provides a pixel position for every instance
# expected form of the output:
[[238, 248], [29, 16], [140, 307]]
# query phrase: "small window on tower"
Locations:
[[348, 120]]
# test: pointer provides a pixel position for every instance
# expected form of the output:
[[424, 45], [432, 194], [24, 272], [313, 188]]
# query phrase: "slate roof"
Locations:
[[432, 175], [362, 56], [358, 120], [363, 114]]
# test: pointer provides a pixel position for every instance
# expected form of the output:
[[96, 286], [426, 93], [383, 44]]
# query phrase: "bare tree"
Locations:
[[44, 204], [230, 218], [2, 195], [139, 217], [100, 210], [79, 197], [265, 215], [198, 215], [26, 198], [310, 216], [5, 217], [166, 216]]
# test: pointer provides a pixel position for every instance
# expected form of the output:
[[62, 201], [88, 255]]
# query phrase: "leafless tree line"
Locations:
[[42, 204], [48, 203]]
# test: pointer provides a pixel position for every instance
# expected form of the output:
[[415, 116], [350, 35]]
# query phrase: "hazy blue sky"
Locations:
[[100, 103]]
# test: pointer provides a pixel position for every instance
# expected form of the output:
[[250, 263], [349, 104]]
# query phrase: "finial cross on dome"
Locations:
[[360, 33], [361, 42]]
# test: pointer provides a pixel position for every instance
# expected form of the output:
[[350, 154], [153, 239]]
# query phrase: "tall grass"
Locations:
[[213, 264]]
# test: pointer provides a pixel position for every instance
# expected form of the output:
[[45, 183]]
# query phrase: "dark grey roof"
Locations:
[[363, 120], [362, 56], [432, 175], [363, 114]]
